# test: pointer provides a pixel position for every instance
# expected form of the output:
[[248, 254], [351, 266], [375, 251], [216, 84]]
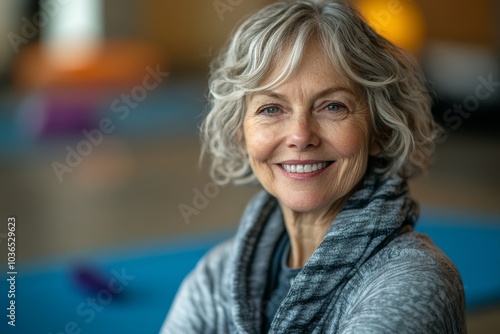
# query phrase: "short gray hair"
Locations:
[[388, 76]]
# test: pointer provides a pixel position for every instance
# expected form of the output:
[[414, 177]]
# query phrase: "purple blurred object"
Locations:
[[49, 114], [68, 115], [90, 278]]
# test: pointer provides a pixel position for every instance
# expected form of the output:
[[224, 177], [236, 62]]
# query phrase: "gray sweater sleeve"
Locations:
[[199, 304], [412, 291]]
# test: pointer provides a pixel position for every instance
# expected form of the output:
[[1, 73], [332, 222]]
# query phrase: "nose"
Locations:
[[302, 132]]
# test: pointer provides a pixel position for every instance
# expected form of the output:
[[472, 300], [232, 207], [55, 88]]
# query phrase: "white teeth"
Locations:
[[307, 168]]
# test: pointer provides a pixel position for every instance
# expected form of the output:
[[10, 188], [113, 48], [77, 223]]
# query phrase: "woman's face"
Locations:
[[308, 140]]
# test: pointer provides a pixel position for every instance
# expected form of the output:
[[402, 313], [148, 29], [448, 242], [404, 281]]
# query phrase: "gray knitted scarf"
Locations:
[[375, 214]]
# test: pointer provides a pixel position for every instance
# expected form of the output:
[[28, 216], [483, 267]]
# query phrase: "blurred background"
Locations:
[[100, 103]]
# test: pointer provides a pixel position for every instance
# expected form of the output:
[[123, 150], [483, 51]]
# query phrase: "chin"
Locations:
[[299, 204]]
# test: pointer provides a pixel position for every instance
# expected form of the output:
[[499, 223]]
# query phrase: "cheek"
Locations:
[[352, 140], [353, 148], [258, 141]]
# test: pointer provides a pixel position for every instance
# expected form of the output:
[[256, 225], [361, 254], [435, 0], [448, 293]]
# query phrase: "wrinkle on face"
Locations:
[[344, 139]]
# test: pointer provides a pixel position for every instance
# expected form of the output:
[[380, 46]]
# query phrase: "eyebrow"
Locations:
[[316, 96]]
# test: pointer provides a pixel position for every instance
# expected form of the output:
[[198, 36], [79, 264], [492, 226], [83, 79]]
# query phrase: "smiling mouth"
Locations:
[[305, 168]]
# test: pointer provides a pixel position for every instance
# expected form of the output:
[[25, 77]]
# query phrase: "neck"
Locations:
[[307, 230]]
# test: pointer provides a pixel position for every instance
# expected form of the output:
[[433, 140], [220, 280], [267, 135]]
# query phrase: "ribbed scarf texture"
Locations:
[[374, 215]]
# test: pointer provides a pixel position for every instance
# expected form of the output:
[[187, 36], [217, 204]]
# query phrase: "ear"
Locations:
[[240, 137]]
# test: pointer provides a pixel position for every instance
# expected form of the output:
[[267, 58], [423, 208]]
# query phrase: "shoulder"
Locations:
[[192, 310], [410, 286], [214, 265], [211, 275], [415, 255], [417, 268]]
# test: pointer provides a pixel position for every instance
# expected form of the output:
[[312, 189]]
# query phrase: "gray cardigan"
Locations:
[[371, 274]]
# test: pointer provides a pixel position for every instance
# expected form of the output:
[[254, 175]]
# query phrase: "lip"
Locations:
[[302, 162], [303, 176]]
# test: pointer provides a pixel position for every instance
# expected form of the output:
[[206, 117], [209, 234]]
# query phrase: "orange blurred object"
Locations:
[[115, 64], [400, 21]]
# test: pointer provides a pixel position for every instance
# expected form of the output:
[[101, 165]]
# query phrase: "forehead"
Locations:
[[314, 65]]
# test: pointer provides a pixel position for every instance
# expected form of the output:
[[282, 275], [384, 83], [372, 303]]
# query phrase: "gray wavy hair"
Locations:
[[389, 77]]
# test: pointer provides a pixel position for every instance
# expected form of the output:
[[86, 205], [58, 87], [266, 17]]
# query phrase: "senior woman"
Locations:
[[331, 119]]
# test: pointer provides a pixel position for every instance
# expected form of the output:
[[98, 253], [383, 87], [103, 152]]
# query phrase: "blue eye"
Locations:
[[336, 107], [271, 110]]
